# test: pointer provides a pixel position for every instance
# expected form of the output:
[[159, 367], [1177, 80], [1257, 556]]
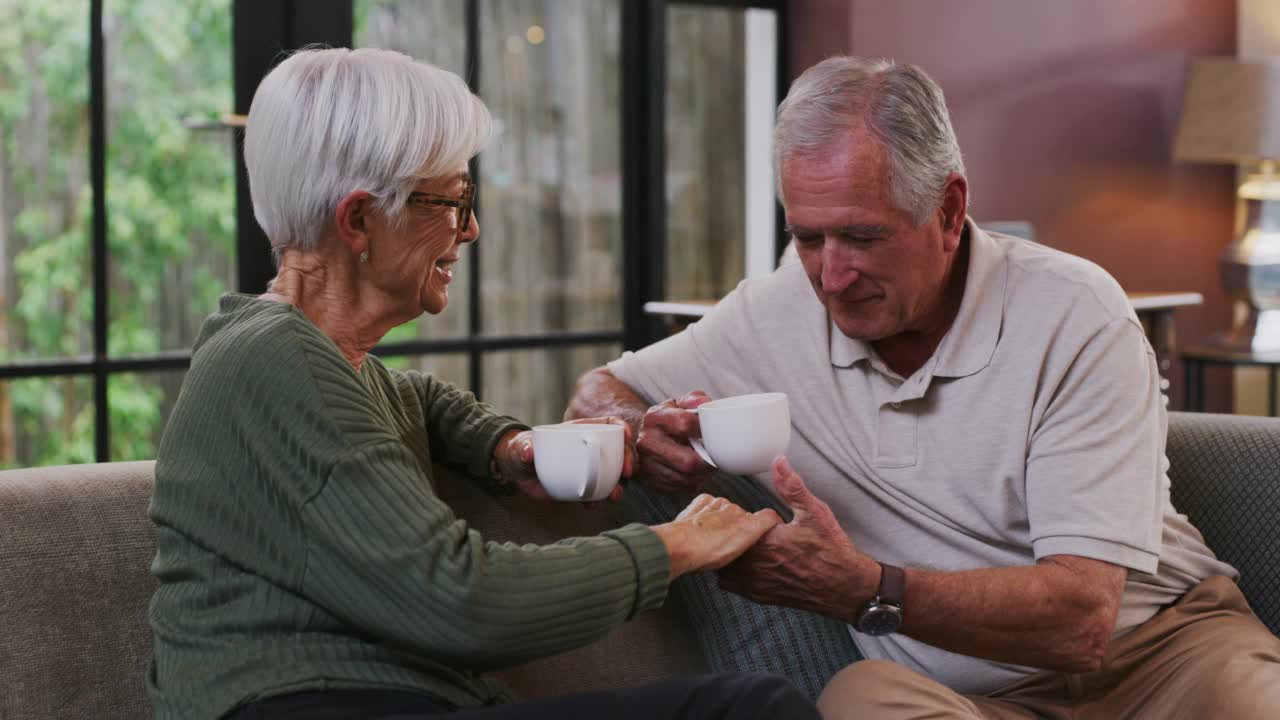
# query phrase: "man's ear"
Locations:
[[954, 209], [352, 219]]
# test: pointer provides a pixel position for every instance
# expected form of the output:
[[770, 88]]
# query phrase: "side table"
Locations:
[[1196, 359], [1154, 310]]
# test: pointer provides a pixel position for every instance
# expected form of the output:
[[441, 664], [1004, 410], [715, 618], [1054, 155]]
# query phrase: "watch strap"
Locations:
[[893, 584]]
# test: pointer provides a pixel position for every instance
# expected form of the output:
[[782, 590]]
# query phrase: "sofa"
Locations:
[[76, 548]]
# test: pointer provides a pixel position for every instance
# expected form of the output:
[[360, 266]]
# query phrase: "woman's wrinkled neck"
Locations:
[[326, 287]]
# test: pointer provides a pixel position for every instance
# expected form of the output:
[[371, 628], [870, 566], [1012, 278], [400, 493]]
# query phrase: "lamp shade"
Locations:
[[1231, 112]]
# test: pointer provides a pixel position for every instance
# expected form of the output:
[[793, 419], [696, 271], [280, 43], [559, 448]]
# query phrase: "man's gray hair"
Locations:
[[327, 122], [900, 104]]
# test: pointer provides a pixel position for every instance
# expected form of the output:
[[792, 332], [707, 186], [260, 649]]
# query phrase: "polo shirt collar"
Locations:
[[971, 342], [845, 351]]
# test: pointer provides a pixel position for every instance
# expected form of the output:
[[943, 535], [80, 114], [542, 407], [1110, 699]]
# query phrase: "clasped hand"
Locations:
[[808, 563], [668, 463]]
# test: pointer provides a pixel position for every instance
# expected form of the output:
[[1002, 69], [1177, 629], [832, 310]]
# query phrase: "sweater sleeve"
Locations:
[[463, 431], [387, 556]]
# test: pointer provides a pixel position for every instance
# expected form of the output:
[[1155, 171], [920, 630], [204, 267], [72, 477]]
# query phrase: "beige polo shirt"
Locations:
[[1037, 428]]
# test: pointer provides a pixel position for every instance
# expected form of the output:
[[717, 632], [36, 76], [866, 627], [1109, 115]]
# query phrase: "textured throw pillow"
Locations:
[[737, 634]]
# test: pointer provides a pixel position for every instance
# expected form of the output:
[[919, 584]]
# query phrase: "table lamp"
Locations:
[[1231, 114]]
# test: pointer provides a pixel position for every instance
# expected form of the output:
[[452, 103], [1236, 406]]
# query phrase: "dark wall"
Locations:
[[1066, 113]]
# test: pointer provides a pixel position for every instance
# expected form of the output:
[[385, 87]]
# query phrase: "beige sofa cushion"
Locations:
[[75, 559]]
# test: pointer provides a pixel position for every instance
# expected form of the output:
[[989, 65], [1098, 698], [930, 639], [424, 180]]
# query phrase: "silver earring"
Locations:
[[364, 256]]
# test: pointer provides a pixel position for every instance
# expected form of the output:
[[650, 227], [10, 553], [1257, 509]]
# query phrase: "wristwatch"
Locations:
[[883, 615]]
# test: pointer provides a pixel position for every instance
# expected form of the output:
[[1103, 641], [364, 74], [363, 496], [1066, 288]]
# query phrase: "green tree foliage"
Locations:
[[170, 208]]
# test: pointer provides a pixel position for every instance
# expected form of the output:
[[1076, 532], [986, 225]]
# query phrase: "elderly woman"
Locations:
[[307, 569]]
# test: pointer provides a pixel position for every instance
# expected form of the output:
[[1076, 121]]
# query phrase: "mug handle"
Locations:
[[701, 449], [595, 457]]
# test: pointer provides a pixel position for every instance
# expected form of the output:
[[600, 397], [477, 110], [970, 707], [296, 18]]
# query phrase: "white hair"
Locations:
[[326, 122], [899, 104]]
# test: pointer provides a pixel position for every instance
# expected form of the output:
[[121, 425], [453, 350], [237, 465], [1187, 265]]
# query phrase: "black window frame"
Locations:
[[263, 30]]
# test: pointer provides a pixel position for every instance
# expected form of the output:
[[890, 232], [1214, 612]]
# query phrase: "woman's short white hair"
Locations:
[[900, 104], [329, 121]]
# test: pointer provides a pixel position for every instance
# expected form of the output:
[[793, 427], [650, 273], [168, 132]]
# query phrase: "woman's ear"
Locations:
[[352, 219]]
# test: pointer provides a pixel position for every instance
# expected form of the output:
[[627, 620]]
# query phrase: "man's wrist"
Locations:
[[882, 615], [865, 581]]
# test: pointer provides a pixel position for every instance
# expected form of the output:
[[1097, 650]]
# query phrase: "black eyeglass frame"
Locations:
[[464, 204]]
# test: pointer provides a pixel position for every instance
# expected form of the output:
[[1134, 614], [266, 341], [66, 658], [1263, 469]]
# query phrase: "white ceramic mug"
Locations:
[[578, 462], [742, 435]]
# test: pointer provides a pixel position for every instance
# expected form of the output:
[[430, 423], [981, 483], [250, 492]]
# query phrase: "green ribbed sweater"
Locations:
[[300, 544]]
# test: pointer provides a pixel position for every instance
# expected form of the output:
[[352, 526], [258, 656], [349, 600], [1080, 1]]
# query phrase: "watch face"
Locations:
[[880, 619]]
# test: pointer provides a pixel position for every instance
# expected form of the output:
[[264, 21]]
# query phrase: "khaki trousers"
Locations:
[[1207, 656]]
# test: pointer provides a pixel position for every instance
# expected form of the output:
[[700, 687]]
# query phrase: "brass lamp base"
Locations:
[[1259, 333], [1251, 266]]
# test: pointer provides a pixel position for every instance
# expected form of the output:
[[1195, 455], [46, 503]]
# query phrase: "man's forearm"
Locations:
[[600, 394], [1059, 614]]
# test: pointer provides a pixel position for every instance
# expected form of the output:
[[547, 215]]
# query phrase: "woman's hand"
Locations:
[[513, 460], [711, 533], [513, 464]]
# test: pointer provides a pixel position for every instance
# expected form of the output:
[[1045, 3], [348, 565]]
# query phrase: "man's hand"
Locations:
[[513, 460], [668, 463], [808, 563]]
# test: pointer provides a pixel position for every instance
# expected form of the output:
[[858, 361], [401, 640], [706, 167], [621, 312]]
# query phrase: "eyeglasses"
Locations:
[[464, 204]]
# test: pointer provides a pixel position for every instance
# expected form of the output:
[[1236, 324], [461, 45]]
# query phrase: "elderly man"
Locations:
[[977, 469]]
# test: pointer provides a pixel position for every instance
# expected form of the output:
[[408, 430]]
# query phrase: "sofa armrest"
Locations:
[[1225, 475], [75, 578]]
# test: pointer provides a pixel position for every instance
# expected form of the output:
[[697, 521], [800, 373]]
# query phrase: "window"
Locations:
[[552, 265], [116, 218], [541, 297], [124, 211], [721, 91]]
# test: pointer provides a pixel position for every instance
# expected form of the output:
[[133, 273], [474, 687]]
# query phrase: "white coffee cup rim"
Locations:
[[578, 427], [740, 401]]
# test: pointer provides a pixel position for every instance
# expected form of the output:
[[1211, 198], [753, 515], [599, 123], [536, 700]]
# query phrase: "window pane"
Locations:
[[550, 182], [46, 203], [46, 421], [170, 188], [433, 31], [450, 367], [719, 115], [535, 385], [140, 405]]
